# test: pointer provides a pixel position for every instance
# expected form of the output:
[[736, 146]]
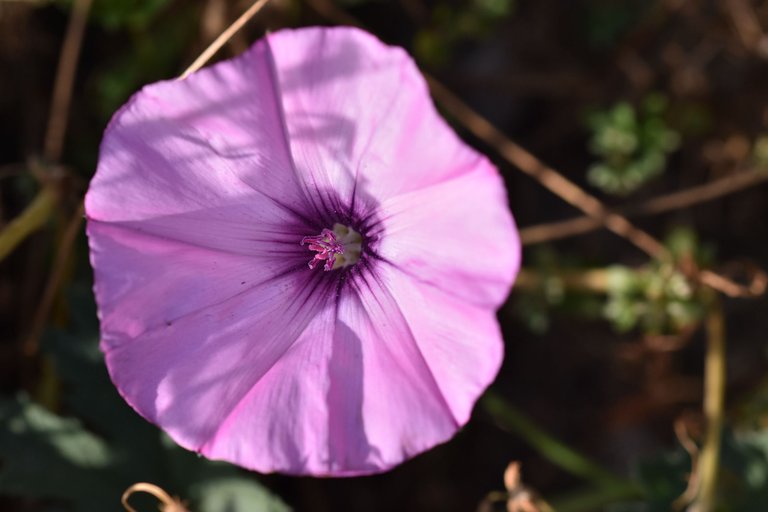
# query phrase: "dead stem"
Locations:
[[518, 497], [692, 489], [34, 216], [755, 288], [745, 22], [65, 78], [714, 397], [168, 504], [682, 199], [225, 36], [60, 265], [545, 175]]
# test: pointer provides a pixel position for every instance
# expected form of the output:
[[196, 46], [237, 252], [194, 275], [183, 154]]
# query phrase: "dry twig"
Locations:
[[65, 79], [745, 22], [545, 175], [167, 504], [681, 432], [714, 398], [31, 219], [225, 36], [676, 200], [60, 265]]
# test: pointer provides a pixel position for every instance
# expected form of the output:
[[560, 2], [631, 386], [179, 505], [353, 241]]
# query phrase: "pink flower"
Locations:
[[297, 262]]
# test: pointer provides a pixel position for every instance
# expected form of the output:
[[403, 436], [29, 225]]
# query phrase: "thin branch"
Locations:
[[755, 288], [545, 175], [682, 199], [60, 265], [692, 489], [167, 503], [745, 21], [34, 216], [225, 36], [714, 398], [65, 79]]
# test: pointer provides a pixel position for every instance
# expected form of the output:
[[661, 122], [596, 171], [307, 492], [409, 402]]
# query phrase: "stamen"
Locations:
[[327, 248], [338, 248]]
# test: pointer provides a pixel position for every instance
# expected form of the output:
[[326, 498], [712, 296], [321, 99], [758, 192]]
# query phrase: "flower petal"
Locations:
[[332, 406], [184, 159], [143, 282], [458, 236], [359, 116], [460, 342], [281, 422], [189, 375]]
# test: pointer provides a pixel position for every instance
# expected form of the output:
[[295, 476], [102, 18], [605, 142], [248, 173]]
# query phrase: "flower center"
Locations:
[[338, 248]]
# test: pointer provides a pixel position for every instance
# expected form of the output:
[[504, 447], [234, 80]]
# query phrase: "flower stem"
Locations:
[[30, 220], [552, 449], [714, 398]]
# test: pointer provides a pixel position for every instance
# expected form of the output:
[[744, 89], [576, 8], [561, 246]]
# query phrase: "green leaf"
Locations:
[[234, 494], [45, 455], [664, 478]]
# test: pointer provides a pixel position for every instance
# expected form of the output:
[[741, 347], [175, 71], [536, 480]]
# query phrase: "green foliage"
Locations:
[[89, 459], [452, 24], [663, 479], [744, 471], [658, 298], [632, 147], [37, 442], [743, 482]]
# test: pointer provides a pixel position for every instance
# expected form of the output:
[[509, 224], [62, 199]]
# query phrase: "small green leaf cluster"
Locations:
[[632, 146], [658, 298]]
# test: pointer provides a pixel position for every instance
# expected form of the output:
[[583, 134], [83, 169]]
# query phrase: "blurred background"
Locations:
[[659, 108]]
